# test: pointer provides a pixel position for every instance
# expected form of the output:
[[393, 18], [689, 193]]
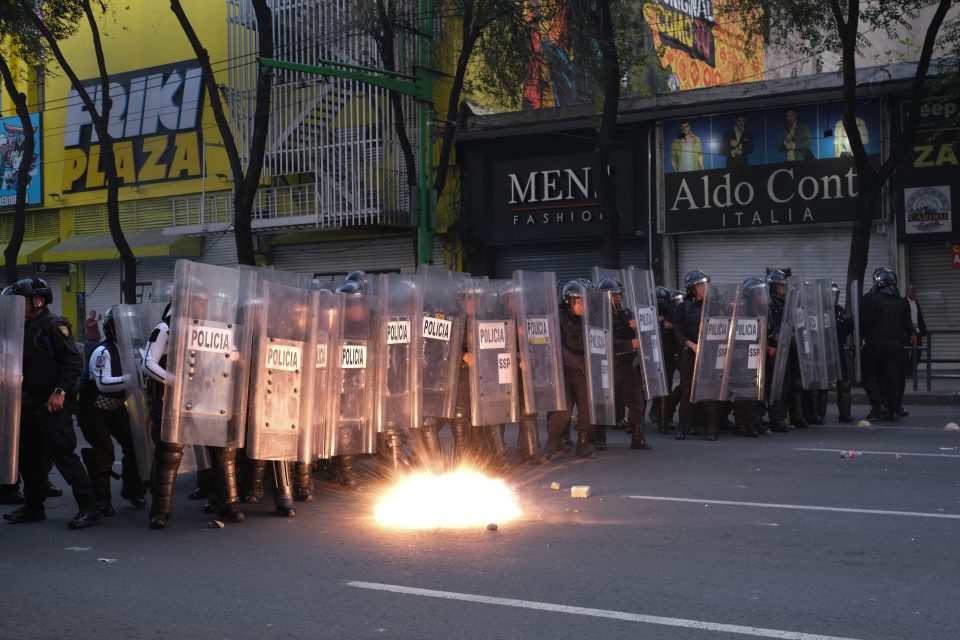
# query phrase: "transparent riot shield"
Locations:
[[853, 304], [538, 333], [12, 310], [639, 294], [161, 291], [808, 328], [784, 340], [598, 338], [398, 389], [716, 323], [492, 345], [328, 308], [599, 273], [743, 375], [134, 323], [831, 343], [351, 418], [442, 328], [208, 352], [280, 393]]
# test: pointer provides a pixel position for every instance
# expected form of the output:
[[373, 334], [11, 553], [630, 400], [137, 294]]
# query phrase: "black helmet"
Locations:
[[786, 271], [575, 289], [885, 281], [351, 287], [109, 329], [834, 288], [167, 313], [356, 276], [752, 284], [694, 278], [30, 288], [676, 296], [777, 276], [610, 284], [663, 295]]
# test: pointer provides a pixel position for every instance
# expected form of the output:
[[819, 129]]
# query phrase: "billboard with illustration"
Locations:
[[770, 167], [11, 159]]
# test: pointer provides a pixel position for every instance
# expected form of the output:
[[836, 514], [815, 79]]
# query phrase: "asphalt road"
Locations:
[[779, 537]]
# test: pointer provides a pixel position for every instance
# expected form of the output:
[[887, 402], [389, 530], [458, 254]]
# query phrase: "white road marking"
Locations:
[[801, 507], [886, 453], [595, 613]]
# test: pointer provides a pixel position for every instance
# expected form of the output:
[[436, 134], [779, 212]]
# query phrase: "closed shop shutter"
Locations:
[[938, 293], [568, 261], [813, 253], [332, 260], [103, 281], [220, 249]]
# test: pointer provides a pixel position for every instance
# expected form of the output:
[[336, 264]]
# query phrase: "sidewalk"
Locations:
[[943, 391]]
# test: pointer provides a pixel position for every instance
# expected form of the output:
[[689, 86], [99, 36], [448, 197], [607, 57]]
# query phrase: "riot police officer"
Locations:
[[662, 408], [51, 366], [886, 328], [574, 374], [776, 407], [746, 411], [103, 415], [686, 323], [628, 387], [844, 333]]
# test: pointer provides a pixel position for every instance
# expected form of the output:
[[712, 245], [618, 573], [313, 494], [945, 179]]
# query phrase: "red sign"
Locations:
[[956, 255]]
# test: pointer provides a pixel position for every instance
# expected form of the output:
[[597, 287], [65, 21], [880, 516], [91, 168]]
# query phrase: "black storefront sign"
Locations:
[[757, 197], [553, 198]]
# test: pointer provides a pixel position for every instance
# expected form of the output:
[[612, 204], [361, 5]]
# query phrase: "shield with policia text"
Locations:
[[12, 310], [809, 331], [134, 323], [327, 312], [716, 323], [743, 375], [639, 296], [208, 356], [831, 344], [442, 328], [784, 340], [598, 355], [492, 346], [538, 335], [278, 420], [398, 384]]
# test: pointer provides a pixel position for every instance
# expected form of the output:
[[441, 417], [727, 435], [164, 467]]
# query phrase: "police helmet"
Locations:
[[676, 296], [167, 313], [752, 284], [356, 276], [109, 328], [835, 288], [610, 284], [575, 289], [694, 278], [786, 271], [31, 288], [885, 281], [351, 287], [663, 295]]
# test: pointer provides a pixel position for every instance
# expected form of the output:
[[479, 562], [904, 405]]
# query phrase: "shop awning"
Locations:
[[32, 249], [145, 244]]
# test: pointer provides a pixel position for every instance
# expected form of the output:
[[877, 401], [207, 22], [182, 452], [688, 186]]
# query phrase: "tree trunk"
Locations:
[[12, 252]]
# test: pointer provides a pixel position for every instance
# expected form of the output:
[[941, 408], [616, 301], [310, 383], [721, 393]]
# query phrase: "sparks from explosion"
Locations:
[[459, 499]]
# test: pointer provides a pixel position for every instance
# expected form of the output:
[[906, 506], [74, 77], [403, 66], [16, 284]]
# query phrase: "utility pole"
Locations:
[[420, 87]]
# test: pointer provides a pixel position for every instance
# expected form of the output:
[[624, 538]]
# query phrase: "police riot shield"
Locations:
[[538, 334], [134, 323], [442, 328], [853, 304], [280, 393], [328, 311], [716, 323], [743, 374], [12, 310], [639, 295], [808, 328], [351, 417], [784, 340], [831, 343], [598, 339], [398, 384], [492, 344], [208, 352]]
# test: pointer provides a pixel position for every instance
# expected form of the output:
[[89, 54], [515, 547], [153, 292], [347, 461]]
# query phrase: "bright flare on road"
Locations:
[[455, 500]]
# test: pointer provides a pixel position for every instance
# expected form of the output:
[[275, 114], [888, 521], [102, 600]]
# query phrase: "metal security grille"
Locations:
[[334, 138]]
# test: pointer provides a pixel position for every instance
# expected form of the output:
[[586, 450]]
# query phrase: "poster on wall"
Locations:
[[763, 168], [12, 158], [928, 178], [155, 121]]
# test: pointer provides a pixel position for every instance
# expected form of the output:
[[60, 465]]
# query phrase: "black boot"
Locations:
[[10, 494], [818, 414], [427, 440], [225, 478], [99, 463], [345, 473], [529, 440], [796, 410], [302, 482], [584, 448], [204, 483], [637, 441], [681, 433], [163, 478], [283, 490], [600, 438], [461, 439], [389, 452], [253, 490], [844, 401]]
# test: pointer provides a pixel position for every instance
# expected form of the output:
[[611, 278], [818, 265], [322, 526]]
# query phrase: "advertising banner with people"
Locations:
[[763, 168], [12, 158]]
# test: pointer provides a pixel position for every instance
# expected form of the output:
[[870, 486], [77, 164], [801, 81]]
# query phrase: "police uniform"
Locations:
[[886, 328], [686, 323], [628, 387]]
